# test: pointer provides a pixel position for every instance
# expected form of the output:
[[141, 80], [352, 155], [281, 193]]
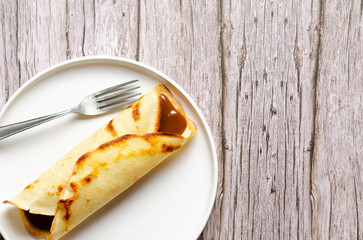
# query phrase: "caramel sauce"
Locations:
[[38, 221], [171, 121]]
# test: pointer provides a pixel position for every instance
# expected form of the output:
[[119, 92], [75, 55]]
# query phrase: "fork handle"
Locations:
[[11, 129]]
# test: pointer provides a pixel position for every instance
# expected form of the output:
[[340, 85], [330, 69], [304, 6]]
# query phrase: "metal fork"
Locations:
[[100, 102]]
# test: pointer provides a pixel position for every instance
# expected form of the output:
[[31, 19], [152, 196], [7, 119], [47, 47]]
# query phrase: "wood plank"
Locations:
[[338, 157], [31, 41], [40, 45], [9, 65], [268, 111], [102, 28]]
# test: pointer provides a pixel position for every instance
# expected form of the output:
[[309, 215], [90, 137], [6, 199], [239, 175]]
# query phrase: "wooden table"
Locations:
[[279, 82]]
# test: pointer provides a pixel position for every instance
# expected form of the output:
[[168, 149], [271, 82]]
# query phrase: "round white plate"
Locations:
[[171, 202]]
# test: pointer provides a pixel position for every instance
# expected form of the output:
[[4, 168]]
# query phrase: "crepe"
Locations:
[[105, 164]]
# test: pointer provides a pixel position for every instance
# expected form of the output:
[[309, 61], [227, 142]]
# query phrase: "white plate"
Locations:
[[171, 202]]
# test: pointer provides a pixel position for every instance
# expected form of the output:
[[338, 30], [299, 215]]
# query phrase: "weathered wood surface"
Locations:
[[279, 82]]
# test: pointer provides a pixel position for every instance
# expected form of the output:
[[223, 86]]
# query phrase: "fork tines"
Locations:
[[117, 96], [121, 85]]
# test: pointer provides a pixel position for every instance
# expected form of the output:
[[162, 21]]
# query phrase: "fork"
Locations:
[[97, 103]]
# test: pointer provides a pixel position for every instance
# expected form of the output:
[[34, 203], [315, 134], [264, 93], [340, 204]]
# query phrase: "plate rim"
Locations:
[[74, 61]]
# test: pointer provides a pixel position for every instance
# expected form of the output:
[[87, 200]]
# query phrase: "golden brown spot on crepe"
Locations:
[[151, 151], [6, 201], [102, 164], [170, 148], [87, 179], [116, 140], [88, 200], [132, 105], [59, 189], [148, 137], [111, 128], [82, 159], [136, 112], [73, 186], [97, 169], [31, 185], [68, 202]]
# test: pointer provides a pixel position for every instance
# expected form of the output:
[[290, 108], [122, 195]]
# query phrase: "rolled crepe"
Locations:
[[104, 165]]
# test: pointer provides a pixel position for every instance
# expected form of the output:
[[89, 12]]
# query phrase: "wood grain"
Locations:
[[337, 162], [279, 82], [269, 108]]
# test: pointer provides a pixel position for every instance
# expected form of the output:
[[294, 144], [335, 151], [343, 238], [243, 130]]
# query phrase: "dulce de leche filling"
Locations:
[[38, 221], [171, 121]]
